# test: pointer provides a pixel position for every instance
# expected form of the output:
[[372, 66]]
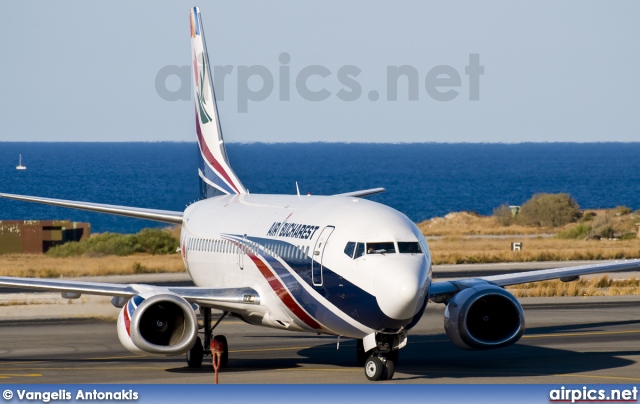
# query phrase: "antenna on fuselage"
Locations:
[[297, 189]]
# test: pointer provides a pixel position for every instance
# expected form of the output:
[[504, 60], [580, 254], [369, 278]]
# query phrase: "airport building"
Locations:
[[38, 236]]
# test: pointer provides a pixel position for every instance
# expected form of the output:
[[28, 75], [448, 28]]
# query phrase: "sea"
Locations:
[[422, 180]]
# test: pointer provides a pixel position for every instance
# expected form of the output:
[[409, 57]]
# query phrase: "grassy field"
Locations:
[[469, 224], [459, 250], [603, 286], [465, 237], [43, 266]]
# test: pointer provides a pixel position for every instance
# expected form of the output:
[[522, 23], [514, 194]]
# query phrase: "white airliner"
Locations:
[[338, 265]]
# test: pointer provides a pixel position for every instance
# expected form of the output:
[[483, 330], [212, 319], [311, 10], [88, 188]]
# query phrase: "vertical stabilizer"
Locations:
[[216, 175]]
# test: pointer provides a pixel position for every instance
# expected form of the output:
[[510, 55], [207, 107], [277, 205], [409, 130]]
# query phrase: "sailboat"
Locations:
[[20, 166]]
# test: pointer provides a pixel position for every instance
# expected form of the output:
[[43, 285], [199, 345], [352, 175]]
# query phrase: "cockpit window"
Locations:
[[350, 248], [359, 250], [409, 247], [381, 248]]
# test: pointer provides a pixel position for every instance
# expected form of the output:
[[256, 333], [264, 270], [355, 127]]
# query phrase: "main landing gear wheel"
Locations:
[[199, 350], [195, 354]]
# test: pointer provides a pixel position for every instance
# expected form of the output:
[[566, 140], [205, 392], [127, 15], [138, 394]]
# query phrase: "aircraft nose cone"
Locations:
[[401, 286]]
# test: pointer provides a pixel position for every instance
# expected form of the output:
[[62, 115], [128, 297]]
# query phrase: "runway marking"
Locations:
[[293, 348], [96, 368], [21, 362], [580, 334], [10, 375], [602, 377], [358, 369]]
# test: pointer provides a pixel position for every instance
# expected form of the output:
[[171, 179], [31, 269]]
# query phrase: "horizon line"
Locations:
[[327, 142]]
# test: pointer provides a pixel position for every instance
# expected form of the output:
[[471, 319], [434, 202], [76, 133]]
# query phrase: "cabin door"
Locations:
[[318, 253], [241, 252]]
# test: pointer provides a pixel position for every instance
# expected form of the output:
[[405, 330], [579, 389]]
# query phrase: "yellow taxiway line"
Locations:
[[582, 334]]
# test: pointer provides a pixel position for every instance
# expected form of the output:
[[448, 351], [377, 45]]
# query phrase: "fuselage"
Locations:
[[327, 264]]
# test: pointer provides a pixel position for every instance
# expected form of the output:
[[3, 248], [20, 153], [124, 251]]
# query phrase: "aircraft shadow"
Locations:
[[434, 357], [576, 327]]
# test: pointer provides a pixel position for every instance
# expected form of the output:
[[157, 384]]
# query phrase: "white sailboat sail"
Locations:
[[20, 166]]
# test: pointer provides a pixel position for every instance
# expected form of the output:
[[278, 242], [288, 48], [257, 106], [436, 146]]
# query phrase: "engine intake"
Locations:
[[483, 317], [159, 324]]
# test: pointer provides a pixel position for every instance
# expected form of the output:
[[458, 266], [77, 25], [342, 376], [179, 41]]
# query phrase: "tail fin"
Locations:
[[216, 175]]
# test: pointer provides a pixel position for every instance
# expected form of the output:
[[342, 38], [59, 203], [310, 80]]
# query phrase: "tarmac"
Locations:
[[48, 339], [567, 340]]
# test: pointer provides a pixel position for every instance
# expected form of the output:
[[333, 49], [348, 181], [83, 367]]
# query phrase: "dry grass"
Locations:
[[459, 224], [42, 266], [471, 224], [603, 286], [455, 248], [458, 250], [463, 240]]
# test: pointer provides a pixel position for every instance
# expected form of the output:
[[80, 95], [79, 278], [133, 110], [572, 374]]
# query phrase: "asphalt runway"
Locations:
[[595, 340]]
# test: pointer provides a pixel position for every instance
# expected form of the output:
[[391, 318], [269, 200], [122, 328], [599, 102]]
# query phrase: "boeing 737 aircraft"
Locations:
[[338, 265]]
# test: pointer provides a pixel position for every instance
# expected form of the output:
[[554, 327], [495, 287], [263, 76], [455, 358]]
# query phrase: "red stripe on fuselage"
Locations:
[[209, 156], [284, 294]]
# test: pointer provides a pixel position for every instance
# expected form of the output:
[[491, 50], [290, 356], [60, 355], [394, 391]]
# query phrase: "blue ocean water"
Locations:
[[422, 180]]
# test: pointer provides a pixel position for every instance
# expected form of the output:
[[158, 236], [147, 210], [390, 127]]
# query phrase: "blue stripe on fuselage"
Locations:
[[311, 305], [349, 298]]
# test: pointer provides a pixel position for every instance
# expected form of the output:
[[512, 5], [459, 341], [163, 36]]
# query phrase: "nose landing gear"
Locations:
[[380, 362], [379, 368]]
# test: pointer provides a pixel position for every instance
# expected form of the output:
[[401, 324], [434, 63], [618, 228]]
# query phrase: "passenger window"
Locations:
[[381, 248], [350, 248], [409, 248], [359, 250]]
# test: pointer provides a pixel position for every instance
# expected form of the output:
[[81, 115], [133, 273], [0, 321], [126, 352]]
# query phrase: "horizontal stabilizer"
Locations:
[[364, 192], [166, 216]]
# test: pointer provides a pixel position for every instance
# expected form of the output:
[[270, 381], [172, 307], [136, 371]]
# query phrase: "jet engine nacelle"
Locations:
[[483, 316], [157, 323]]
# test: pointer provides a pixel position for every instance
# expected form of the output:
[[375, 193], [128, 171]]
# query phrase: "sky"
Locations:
[[495, 71]]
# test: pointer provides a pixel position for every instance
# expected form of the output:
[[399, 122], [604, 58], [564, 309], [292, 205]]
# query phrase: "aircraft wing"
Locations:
[[363, 192], [216, 298], [166, 216], [444, 288]]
